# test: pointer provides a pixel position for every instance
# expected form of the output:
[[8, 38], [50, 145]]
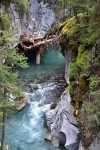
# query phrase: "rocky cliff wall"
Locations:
[[63, 125], [82, 67], [37, 19]]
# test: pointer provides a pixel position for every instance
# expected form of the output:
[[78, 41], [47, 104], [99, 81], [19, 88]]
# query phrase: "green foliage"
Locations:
[[73, 71], [24, 4], [94, 82], [71, 88], [82, 59], [9, 89], [81, 49], [10, 59], [5, 21], [93, 112], [93, 33], [94, 36], [82, 33], [5, 38]]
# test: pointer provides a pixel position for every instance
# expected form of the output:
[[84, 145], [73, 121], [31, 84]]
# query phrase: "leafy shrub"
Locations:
[[94, 82], [93, 113]]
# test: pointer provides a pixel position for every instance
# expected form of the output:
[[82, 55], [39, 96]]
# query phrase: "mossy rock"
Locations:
[[73, 71], [82, 58], [70, 27]]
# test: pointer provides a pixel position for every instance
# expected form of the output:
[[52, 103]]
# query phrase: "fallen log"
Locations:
[[44, 42], [39, 38], [33, 45], [43, 37]]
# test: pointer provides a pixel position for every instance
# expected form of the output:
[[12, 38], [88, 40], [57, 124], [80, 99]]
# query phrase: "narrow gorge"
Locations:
[[54, 50]]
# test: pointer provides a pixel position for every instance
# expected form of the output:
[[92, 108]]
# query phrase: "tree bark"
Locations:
[[3, 123], [38, 57], [3, 130]]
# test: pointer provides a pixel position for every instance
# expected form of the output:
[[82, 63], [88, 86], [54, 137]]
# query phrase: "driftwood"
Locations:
[[31, 42], [37, 44]]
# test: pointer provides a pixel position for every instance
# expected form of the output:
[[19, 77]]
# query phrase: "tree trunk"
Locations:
[[38, 57], [3, 124], [3, 130]]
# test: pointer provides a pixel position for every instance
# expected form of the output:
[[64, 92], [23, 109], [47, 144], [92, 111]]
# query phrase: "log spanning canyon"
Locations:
[[37, 44]]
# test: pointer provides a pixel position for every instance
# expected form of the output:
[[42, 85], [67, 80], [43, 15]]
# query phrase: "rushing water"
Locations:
[[25, 130]]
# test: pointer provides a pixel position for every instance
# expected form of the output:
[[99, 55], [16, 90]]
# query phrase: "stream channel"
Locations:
[[25, 130]]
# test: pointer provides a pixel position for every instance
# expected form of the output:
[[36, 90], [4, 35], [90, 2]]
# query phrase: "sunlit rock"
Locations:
[[61, 120], [21, 103]]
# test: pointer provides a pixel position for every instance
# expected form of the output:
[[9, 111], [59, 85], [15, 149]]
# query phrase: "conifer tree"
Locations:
[[9, 59]]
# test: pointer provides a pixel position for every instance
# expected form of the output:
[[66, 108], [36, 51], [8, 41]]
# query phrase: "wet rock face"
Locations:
[[61, 122], [67, 64], [38, 19]]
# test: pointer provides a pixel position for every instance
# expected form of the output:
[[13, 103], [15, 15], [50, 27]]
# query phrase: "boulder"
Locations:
[[61, 122], [21, 103], [48, 137], [55, 140]]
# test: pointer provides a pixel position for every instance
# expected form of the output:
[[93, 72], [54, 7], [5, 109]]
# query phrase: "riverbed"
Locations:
[[25, 129]]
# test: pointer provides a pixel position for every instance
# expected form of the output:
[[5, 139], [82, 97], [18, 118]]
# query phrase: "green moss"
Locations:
[[83, 62], [68, 24], [69, 27], [61, 25], [5, 21], [73, 71], [81, 49], [70, 88], [82, 58]]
